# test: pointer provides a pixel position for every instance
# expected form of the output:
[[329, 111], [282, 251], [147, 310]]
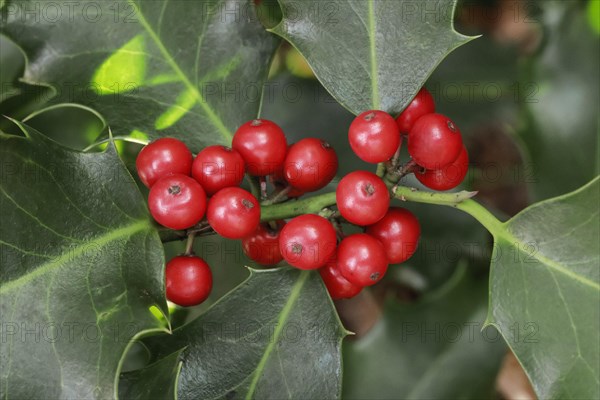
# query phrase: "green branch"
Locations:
[[405, 193], [314, 205], [461, 200], [311, 205]]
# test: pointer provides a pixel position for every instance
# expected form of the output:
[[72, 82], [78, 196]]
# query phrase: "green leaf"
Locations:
[[545, 290], [72, 125], [81, 265], [276, 336], [153, 381], [371, 54], [433, 349], [159, 67]]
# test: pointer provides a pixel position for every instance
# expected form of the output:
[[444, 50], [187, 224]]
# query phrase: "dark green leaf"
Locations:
[[71, 125], [17, 99], [157, 380], [545, 291], [373, 54], [434, 349], [81, 265], [159, 67], [276, 336]]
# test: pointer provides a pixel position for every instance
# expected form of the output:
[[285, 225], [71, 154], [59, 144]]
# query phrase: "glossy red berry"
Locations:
[[448, 177], [233, 213], [262, 246], [217, 167], [337, 286], [362, 198], [263, 146], [177, 201], [362, 260], [307, 241], [188, 280], [421, 105], [278, 180], [399, 232], [374, 136], [163, 157], [434, 141], [310, 164]]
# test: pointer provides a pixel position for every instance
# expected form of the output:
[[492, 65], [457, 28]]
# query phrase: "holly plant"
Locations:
[[182, 219]]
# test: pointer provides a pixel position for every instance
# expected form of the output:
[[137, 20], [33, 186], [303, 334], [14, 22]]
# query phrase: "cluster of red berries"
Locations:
[[434, 141], [183, 189]]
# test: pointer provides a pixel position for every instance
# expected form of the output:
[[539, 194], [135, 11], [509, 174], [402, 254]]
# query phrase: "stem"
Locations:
[[201, 229], [461, 200], [254, 186], [277, 197], [122, 138], [398, 173], [405, 193], [311, 205], [393, 162], [167, 235], [338, 228], [317, 204], [381, 168], [189, 246], [263, 188], [483, 215]]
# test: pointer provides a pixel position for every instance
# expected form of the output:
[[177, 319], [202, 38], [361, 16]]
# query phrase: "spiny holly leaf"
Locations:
[[159, 67], [158, 380], [371, 54], [434, 349], [276, 336], [81, 265], [545, 291]]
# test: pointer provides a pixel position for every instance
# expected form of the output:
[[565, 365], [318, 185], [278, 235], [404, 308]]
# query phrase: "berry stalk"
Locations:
[[311, 205]]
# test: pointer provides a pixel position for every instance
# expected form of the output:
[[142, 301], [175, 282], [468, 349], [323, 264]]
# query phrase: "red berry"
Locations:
[[278, 180], [263, 146], [217, 167], [362, 260], [177, 201], [233, 213], [189, 280], [421, 105], [362, 198], [310, 164], [374, 136], [399, 232], [307, 241], [262, 246], [337, 286], [448, 177], [163, 157], [434, 141]]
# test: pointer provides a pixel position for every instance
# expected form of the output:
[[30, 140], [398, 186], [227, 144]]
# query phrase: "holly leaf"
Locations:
[[153, 381], [276, 336], [371, 54], [545, 291], [434, 349], [72, 125], [157, 67], [81, 265]]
